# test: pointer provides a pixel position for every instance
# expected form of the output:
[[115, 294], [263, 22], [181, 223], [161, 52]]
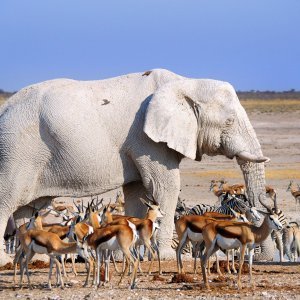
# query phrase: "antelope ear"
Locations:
[[172, 117]]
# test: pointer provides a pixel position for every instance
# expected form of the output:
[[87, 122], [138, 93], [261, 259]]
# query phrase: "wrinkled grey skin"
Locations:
[[76, 138]]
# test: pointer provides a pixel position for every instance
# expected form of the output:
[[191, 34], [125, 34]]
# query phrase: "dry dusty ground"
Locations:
[[271, 281], [278, 129]]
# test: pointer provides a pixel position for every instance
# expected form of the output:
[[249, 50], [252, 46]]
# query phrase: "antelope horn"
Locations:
[[46, 213], [82, 205], [33, 210], [92, 205], [275, 204], [99, 202], [269, 209], [145, 202], [78, 208]]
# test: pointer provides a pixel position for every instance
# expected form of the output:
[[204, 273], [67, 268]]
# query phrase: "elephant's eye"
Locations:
[[229, 121]]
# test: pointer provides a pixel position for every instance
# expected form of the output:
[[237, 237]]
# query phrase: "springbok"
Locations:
[[146, 227], [214, 187], [270, 192], [238, 189], [291, 241], [230, 235], [113, 238], [43, 242], [190, 227], [294, 191]]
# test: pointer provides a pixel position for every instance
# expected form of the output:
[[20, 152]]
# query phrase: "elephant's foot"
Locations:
[[5, 259], [167, 253]]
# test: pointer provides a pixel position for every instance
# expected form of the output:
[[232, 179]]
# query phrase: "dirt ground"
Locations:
[[271, 280], [278, 129]]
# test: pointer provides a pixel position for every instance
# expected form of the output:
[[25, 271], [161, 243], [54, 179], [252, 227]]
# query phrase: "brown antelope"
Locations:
[[231, 235], [189, 227], [270, 192], [112, 238], [81, 230], [35, 222], [291, 241], [42, 242], [238, 189], [294, 191], [119, 203], [214, 186], [146, 227]]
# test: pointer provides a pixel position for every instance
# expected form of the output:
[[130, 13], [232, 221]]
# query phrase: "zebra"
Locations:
[[181, 210], [228, 203]]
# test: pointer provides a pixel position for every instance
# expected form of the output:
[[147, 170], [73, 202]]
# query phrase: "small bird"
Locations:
[[105, 102], [147, 73]]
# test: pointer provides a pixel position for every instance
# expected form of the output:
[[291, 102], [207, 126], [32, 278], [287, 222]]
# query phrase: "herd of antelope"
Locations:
[[95, 232]]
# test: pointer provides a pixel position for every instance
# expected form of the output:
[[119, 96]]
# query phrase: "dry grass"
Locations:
[[275, 105], [237, 174]]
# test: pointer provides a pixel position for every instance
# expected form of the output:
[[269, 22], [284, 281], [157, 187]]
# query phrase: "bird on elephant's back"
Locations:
[[77, 138]]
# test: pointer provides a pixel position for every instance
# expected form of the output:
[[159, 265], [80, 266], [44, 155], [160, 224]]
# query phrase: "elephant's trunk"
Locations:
[[254, 175]]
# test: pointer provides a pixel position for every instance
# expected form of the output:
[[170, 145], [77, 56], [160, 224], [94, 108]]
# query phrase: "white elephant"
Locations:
[[77, 138]]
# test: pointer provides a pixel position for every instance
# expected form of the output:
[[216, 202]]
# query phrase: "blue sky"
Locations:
[[252, 44]]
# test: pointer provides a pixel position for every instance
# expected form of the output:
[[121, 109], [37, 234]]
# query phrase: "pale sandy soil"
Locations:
[[271, 281], [279, 134]]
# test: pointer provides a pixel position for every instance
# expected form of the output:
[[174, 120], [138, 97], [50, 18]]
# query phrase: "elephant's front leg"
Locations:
[[163, 183]]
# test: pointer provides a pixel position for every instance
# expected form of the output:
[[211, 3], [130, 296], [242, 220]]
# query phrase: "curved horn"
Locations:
[[145, 202], [269, 209], [98, 203], [244, 155], [77, 206]]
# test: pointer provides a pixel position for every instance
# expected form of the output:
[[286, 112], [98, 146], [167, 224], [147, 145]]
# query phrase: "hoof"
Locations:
[[133, 286]]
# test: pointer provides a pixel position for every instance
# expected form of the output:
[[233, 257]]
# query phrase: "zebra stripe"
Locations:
[[233, 203]]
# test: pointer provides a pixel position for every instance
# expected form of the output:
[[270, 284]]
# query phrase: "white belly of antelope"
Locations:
[[194, 236], [111, 244], [227, 243]]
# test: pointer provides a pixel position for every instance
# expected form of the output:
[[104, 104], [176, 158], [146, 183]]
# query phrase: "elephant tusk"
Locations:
[[244, 155]]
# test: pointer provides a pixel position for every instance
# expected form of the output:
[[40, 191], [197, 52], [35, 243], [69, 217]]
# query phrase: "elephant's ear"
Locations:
[[171, 117]]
